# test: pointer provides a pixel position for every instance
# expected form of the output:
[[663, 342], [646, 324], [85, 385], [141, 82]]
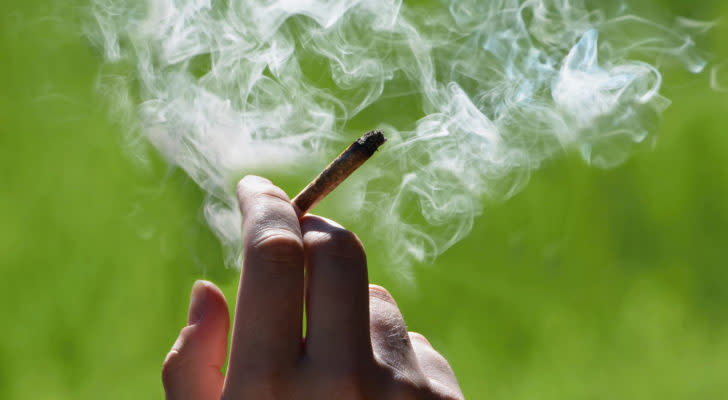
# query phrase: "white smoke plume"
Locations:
[[478, 94]]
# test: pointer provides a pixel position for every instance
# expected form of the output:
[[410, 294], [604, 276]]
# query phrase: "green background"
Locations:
[[589, 284]]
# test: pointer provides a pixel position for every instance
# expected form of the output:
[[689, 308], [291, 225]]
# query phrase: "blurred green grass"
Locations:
[[589, 284]]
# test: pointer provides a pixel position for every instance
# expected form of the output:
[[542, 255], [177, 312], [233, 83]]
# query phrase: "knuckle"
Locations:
[[389, 325], [278, 246], [341, 244], [391, 336], [388, 332]]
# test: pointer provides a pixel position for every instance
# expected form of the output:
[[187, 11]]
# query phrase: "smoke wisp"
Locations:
[[493, 89]]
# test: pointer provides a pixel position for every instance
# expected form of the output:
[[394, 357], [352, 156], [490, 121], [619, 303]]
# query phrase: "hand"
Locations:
[[356, 345]]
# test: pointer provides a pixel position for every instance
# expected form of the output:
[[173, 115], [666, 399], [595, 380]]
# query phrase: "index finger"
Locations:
[[267, 328]]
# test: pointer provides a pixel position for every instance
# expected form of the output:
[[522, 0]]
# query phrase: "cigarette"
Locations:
[[347, 162]]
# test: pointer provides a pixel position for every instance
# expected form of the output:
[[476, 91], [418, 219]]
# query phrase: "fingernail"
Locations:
[[198, 305]]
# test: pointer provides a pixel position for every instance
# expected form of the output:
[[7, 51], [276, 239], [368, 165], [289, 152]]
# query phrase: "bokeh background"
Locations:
[[589, 284]]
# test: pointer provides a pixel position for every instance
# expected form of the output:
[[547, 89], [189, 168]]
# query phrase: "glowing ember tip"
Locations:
[[338, 170]]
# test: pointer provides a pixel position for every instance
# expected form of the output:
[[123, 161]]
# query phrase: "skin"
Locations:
[[356, 347]]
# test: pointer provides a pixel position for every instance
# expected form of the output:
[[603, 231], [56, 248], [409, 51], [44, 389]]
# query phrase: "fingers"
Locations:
[[192, 368], [390, 340], [408, 353], [267, 329], [435, 367], [337, 315]]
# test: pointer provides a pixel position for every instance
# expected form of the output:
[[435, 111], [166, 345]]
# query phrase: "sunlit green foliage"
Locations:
[[589, 284]]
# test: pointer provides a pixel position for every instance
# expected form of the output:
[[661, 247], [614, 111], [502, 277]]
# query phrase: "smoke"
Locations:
[[472, 94]]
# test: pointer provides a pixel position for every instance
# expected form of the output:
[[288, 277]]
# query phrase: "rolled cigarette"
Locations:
[[347, 162]]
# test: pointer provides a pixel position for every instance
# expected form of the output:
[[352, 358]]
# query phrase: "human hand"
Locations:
[[356, 344]]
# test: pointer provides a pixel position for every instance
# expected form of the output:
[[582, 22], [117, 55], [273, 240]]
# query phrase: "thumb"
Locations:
[[192, 368]]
